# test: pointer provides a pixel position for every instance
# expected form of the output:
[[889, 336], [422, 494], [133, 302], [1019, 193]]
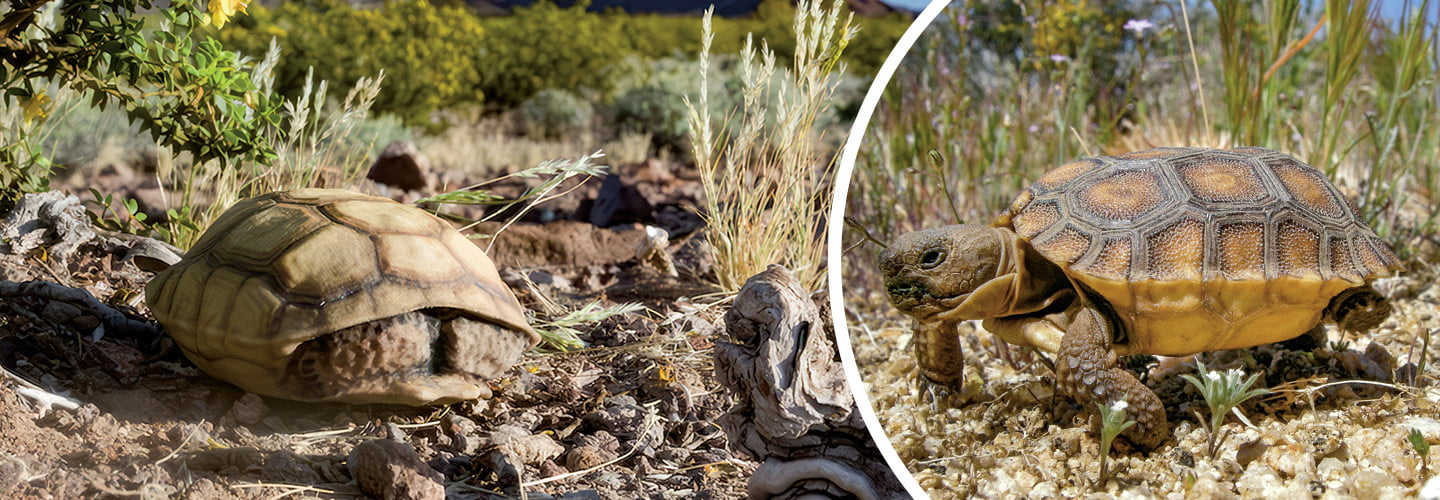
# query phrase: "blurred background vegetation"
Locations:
[[306, 93], [996, 93], [442, 57]]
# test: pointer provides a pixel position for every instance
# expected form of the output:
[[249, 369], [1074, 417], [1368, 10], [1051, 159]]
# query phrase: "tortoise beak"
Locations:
[[906, 293]]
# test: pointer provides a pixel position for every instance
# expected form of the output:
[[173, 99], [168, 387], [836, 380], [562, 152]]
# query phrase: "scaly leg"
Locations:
[[1090, 372], [938, 353]]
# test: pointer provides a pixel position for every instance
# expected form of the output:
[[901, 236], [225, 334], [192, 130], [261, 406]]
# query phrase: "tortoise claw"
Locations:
[[1089, 371]]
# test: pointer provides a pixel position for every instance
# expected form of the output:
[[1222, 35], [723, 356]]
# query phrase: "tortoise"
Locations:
[[1168, 251], [332, 295]]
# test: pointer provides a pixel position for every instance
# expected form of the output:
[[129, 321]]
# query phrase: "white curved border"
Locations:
[[837, 224]]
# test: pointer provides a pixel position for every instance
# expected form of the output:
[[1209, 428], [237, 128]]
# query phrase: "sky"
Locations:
[[1393, 9], [910, 5]]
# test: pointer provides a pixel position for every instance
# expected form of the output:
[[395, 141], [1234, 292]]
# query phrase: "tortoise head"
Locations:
[[935, 271]]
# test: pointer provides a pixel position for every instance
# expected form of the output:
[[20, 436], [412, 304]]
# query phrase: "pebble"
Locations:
[[461, 431], [12, 471], [392, 470], [1428, 427], [533, 449], [1431, 490], [394, 432], [1371, 483], [249, 409], [585, 457]]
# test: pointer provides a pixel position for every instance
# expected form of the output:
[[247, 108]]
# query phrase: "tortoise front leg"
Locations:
[[1090, 372], [938, 353]]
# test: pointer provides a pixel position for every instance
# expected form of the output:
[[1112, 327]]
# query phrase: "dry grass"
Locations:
[[489, 146], [997, 126], [766, 186]]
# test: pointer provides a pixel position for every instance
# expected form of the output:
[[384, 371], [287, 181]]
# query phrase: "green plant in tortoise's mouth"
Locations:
[[1169, 251]]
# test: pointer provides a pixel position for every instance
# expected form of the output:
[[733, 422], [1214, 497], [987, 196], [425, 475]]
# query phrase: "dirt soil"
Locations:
[[630, 416], [1336, 426]]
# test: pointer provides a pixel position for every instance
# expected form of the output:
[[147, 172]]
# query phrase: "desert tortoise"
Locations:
[[1168, 251], [331, 295]]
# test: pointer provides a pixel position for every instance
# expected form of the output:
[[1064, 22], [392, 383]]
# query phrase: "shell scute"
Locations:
[[332, 261], [1124, 195], [265, 234]]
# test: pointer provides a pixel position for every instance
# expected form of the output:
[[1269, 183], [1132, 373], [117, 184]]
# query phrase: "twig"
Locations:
[[582, 472], [1289, 53], [293, 488], [186, 441], [1199, 83]]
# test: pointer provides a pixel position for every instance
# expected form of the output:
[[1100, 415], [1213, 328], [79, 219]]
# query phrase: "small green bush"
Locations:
[[185, 90], [427, 52], [543, 46], [658, 110], [555, 112], [438, 54]]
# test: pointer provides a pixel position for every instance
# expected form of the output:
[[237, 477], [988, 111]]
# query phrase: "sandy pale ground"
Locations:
[[1335, 427]]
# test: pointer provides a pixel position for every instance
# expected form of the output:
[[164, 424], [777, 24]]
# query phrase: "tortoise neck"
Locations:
[[1024, 283]]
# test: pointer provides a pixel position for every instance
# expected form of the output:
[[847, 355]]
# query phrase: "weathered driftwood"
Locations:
[[51, 218], [58, 222], [794, 411]]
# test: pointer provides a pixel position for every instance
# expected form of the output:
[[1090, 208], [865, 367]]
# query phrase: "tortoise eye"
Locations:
[[932, 257]]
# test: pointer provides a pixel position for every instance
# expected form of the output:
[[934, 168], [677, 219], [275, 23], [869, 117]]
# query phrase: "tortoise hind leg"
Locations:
[[1311, 340], [1358, 309], [1090, 371]]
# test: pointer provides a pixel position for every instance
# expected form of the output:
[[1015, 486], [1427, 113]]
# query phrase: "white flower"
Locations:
[[1120, 405], [1139, 26], [1215, 376], [1059, 58]]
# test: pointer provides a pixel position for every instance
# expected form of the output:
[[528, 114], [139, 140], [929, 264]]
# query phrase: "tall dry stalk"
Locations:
[[766, 186], [319, 146]]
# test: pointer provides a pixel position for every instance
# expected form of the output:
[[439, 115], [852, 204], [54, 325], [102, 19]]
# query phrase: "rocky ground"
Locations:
[[1336, 425], [629, 416]]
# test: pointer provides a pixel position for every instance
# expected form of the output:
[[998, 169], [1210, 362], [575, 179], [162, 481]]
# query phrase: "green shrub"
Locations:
[[543, 46], [658, 110], [655, 36], [446, 56], [427, 52], [555, 112], [186, 91]]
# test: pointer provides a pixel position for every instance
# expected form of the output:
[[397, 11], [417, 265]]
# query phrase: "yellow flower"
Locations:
[[35, 107], [222, 10]]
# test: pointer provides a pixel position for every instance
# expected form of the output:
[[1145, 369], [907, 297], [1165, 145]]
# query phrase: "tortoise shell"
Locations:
[[331, 295], [1201, 249]]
